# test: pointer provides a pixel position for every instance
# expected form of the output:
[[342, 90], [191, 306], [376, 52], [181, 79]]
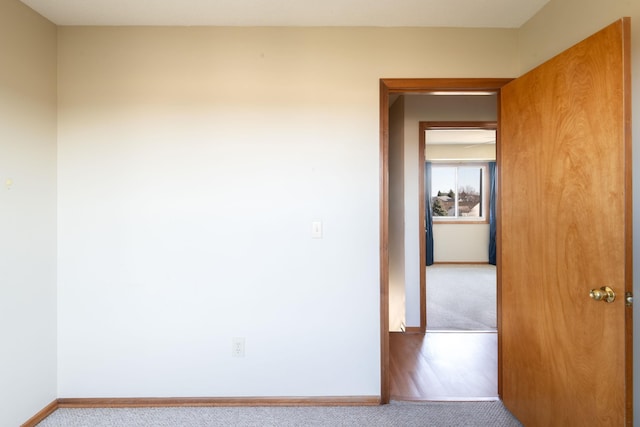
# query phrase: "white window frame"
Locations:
[[484, 200]]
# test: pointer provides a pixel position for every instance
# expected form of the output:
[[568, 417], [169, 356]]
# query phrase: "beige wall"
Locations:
[[396, 217], [192, 162], [563, 23], [559, 25], [27, 213], [444, 153]]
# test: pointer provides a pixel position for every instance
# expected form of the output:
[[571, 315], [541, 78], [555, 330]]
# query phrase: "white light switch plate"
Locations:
[[316, 229]]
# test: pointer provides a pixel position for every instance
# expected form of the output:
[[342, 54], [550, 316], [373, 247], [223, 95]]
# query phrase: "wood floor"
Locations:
[[444, 366]]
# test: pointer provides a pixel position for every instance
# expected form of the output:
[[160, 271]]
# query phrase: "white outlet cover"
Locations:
[[237, 347]]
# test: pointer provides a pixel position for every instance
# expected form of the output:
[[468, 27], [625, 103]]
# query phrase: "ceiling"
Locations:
[[377, 13]]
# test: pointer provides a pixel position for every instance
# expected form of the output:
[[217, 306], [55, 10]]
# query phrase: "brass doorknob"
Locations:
[[605, 294]]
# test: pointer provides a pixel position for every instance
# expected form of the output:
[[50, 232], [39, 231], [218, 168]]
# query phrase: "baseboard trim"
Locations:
[[216, 401], [462, 263], [154, 402], [44, 413]]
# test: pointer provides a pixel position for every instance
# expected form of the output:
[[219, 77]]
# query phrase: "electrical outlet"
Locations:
[[237, 347]]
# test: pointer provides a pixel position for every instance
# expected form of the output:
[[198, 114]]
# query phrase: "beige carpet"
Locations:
[[398, 414], [461, 297]]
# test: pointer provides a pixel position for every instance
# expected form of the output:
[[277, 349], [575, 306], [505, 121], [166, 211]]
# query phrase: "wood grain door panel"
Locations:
[[565, 228]]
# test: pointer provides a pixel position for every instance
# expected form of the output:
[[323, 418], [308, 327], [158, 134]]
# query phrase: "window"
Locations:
[[457, 192]]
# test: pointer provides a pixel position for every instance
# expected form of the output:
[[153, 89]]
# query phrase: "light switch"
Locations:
[[316, 229]]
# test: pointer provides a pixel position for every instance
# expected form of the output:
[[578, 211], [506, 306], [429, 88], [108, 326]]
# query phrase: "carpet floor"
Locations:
[[398, 414], [461, 297]]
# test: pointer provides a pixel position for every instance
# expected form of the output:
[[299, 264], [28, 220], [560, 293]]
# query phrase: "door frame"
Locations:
[[422, 127], [415, 86]]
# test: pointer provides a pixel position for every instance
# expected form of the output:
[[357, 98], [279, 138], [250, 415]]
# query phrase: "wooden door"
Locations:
[[565, 228]]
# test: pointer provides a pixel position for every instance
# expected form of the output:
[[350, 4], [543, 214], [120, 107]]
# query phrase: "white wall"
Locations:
[[561, 24], [396, 216], [437, 108], [27, 213], [192, 162]]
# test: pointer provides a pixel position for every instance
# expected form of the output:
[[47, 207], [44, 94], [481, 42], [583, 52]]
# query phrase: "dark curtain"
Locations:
[[428, 213], [492, 213]]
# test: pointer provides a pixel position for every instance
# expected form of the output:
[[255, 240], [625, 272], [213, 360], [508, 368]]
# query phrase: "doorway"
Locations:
[[457, 163], [454, 355], [390, 87]]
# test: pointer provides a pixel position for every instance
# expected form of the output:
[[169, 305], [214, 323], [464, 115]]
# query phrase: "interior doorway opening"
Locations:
[[456, 359], [392, 87], [457, 223]]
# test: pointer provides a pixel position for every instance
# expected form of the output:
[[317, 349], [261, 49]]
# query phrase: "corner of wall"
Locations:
[[28, 292]]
